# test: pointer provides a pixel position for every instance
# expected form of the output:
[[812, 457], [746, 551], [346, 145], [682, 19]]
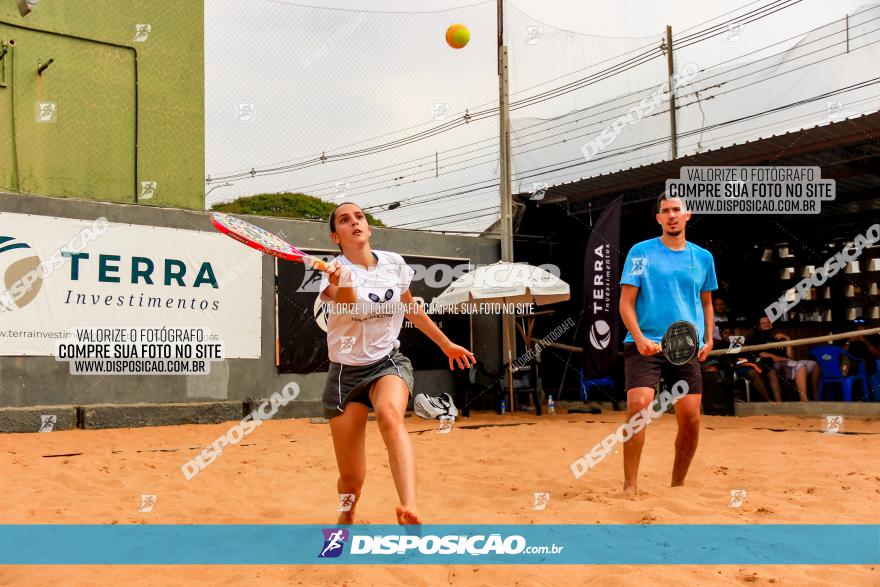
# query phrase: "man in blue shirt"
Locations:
[[664, 280]]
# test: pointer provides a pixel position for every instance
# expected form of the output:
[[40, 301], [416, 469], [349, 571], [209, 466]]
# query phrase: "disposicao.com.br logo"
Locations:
[[431, 544], [334, 541]]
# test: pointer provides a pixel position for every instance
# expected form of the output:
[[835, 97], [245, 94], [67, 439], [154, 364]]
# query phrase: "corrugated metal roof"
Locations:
[[827, 146]]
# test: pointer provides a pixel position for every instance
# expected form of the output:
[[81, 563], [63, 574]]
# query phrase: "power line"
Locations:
[[748, 131], [479, 115], [475, 107], [688, 40], [519, 152], [543, 130], [543, 83], [445, 216], [493, 214], [653, 142], [724, 137], [519, 137]]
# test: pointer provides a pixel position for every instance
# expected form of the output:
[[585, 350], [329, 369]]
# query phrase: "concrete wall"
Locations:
[[43, 381], [125, 111]]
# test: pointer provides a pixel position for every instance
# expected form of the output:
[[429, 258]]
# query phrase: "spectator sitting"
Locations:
[[721, 309], [748, 370], [804, 373]]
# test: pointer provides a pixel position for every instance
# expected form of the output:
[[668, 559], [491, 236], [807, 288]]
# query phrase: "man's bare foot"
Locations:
[[345, 518], [406, 516], [629, 492]]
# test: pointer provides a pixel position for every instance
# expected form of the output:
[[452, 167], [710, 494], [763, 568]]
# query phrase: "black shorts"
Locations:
[[645, 370], [352, 383]]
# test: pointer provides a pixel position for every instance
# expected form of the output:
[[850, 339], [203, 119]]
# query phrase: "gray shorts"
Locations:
[[789, 369], [352, 383]]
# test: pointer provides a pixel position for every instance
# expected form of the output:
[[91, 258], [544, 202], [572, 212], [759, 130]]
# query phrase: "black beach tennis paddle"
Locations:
[[680, 343]]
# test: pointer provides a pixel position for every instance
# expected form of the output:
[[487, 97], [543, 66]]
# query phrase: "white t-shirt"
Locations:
[[370, 333]]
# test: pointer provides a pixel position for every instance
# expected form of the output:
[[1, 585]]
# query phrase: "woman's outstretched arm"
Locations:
[[415, 314]]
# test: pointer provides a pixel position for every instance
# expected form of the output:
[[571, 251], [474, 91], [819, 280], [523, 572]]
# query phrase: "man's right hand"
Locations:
[[647, 346]]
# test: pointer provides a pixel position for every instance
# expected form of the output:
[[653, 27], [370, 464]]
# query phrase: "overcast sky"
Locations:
[[286, 81]]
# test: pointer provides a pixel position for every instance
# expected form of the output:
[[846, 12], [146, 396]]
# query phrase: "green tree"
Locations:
[[285, 206]]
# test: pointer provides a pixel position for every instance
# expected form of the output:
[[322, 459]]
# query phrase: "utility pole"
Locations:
[[672, 129], [504, 136], [506, 221]]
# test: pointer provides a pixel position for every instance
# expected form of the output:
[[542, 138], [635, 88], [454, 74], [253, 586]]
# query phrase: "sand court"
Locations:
[[486, 471]]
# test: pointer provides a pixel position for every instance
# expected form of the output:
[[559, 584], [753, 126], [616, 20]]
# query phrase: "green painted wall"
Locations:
[[106, 135]]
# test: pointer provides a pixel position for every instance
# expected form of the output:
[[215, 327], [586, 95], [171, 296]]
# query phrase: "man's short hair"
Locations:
[[662, 197]]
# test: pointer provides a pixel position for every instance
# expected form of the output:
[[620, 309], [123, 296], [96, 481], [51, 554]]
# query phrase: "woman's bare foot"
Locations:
[[407, 516], [629, 491]]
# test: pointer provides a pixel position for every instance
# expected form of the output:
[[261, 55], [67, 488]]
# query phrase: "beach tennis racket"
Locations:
[[679, 344], [263, 240]]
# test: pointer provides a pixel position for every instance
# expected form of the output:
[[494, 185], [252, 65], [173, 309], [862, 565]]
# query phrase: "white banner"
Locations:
[[58, 274]]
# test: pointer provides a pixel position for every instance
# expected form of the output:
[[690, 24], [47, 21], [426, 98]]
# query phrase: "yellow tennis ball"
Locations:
[[457, 36]]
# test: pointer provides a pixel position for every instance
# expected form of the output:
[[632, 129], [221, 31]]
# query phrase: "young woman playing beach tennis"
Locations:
[[369, 295]]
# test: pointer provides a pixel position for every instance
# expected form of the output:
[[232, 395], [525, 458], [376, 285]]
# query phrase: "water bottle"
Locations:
[[503, 406], [551, 406]]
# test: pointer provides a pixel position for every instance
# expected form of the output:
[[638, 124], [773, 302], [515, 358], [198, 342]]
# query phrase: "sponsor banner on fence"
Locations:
[[533, 544], [58, 275]]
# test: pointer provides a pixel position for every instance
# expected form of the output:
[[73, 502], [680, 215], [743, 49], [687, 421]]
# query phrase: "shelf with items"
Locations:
[[853, 292]]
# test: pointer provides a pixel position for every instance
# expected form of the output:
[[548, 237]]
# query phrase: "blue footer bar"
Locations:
[[686, 544]]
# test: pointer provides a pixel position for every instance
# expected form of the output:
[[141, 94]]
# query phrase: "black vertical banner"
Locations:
[[301, 335], [602, 293]]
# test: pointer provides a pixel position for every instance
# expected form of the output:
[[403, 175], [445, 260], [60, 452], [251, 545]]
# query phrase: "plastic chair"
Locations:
[[828, 356], [526, 381], [587, 384]]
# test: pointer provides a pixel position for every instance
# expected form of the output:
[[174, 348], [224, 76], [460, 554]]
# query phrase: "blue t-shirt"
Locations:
[[669, 285]]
